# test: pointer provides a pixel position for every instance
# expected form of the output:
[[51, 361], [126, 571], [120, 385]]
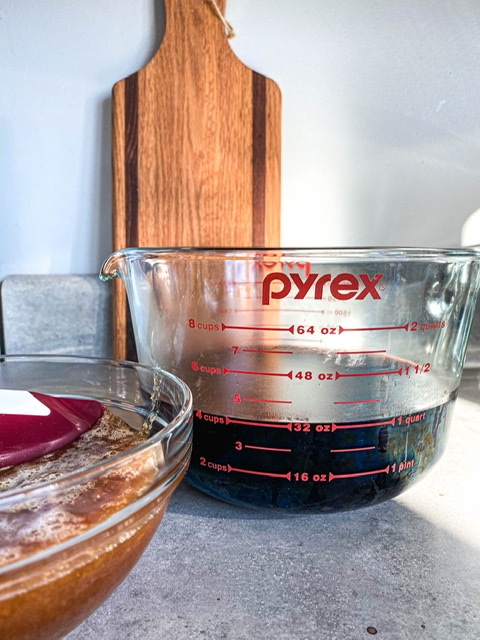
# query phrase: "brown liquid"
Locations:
[[49, 597]]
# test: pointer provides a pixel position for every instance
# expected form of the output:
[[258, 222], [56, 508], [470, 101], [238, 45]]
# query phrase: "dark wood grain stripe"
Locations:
[[131, 188], [131, 160], [259, 161]]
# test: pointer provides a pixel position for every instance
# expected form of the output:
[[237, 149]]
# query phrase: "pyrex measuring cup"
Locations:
[[322, 379]]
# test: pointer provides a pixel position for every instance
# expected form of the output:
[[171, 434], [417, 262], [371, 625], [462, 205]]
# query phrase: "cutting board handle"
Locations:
[[193, 16], [196, 146]]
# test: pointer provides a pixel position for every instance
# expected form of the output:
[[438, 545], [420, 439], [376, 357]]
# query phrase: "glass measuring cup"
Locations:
[[323, 379]]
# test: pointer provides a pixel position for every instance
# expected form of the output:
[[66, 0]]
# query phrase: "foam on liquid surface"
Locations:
[[32, 526]]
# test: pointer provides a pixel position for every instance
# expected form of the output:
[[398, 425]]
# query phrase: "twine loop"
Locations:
[[229, 30]]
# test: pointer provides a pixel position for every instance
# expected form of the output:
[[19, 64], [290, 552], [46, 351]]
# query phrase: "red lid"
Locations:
[[33, 424]]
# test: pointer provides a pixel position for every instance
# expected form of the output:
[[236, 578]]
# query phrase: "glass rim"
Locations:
[[35, 492], [266, 254]]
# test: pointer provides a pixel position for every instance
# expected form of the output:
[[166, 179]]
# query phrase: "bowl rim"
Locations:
[[166, 476], [35, 492]]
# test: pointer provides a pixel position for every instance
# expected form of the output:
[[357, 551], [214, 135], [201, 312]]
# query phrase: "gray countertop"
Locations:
[[405, 569]]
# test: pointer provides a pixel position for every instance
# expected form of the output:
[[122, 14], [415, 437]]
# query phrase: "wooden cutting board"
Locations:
[[196, 148]]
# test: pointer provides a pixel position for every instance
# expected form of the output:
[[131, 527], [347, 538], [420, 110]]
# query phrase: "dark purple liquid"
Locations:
[[312, 467]]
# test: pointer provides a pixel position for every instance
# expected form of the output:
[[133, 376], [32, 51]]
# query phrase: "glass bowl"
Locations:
[[65, 545]]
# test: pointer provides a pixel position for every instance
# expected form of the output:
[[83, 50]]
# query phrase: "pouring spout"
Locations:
[[113, 266]]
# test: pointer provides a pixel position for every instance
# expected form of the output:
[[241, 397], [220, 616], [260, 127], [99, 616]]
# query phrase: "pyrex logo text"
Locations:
[[345, 286]]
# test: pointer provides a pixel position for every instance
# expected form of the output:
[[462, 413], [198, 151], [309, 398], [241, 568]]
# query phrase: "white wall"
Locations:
[[381, 124]]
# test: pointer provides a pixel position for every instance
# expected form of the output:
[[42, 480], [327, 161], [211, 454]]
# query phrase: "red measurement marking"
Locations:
[[287, 353], [355, 353], [363, 375], [357, 401], [403, 326], [259, 373], [258, 328], [251, 446], [285, 310], [262, 400], [222, 283], [348, 450], [359, 426], [288, 475], [259, 424], [331, 476]]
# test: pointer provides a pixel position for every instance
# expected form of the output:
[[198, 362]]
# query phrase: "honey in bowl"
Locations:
[[69, 541]]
